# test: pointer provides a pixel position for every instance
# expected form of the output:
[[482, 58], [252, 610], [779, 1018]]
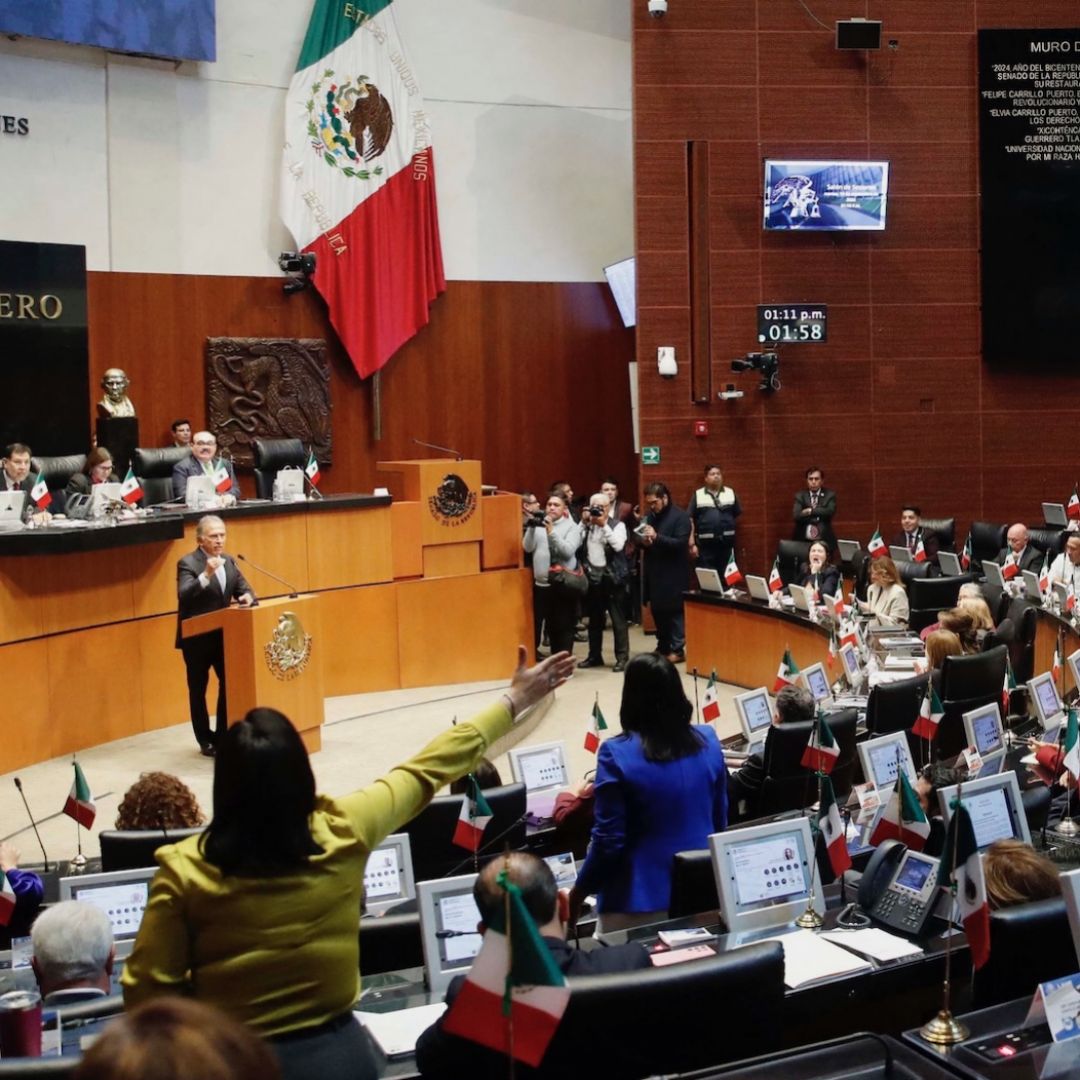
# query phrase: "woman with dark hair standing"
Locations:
[[259, 915], [661, 787]]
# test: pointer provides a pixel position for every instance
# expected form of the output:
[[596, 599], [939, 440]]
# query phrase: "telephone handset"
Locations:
[[899, 888]]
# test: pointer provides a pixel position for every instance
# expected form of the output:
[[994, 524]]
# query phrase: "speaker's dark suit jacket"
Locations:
[[197, 599], [1032, 559]]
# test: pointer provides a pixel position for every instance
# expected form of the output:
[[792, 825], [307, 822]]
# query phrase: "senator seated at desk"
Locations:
[[73, 953], [205, 462], [440, 1054], [886, 598], [818, 573], [97, 470]]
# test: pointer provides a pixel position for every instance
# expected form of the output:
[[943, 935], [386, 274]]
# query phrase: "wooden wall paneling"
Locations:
[[152, 568], [20, 599], [473, 378], [923, 114], [406, 549], [948, 385], [914, 15], [700, 275], [698, 15], [89, 704], [791, 17], [280, 543], [347, 547], [785, 115], [163, 684], [86, 588], [502, 532], [27, 710], [701, 57], [486, 616], [359, 644], [452, 560]]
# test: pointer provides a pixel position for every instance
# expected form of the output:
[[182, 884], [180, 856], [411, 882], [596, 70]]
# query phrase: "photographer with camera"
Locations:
[[552, 538], [608, 573]]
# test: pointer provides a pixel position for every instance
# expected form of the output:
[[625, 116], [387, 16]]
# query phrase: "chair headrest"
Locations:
[[62, 465], [157, 461], [277, 453]]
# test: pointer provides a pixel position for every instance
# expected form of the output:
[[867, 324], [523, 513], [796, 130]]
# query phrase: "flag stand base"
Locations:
[[78, 863], [809, 919], [1067, 827], [944, 1030]]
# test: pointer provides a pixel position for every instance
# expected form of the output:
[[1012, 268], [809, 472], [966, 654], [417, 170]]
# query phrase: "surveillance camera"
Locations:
[[657, 8]]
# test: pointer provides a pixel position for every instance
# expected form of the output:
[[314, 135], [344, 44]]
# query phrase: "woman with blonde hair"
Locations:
[[886, 599], [1017, 874]]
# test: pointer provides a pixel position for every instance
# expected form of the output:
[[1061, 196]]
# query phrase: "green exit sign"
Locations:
[[650, 455]]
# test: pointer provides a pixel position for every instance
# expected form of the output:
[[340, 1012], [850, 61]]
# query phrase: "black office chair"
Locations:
[[1002, 634], [860, 569], [639, 1005], [842, 724], [274, 454], [787, 784], [56, 472], [435, 855], [33, 1068], [133, 849], [390, 942], [693, 884], [987, 539], [790, 555], [928, 596], [1037, 801], [1050, 540], [1029, 944], [1022, 647], [894, 706], [966, 683], [153, 466], [997, 600], [945, 529], [916, 571]]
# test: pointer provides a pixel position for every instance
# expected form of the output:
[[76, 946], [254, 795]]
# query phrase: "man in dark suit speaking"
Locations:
[[207, 580]]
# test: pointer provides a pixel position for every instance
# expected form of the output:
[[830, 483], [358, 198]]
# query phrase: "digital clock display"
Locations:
[[791, 324]]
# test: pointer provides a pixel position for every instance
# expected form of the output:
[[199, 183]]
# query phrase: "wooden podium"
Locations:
[[264, 666], [451, 515]]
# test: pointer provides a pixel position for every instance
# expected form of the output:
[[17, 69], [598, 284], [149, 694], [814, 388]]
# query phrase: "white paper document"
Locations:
[[396, 1032], [808, 957], [879, 944]]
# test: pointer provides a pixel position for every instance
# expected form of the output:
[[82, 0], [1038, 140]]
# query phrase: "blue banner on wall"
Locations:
[[175, 29]]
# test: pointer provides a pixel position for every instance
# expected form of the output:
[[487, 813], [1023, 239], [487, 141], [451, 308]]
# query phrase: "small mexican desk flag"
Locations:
[[710, 702], [358, 179], [39, 493], [80, 803], [831, 826], [787, 674], [131, 490], [475, 814], [968, 882], [514, 995], [597, 723]]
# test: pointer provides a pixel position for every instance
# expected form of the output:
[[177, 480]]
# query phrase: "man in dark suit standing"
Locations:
[[912, 532], [207, 580], [666, 539], [814, 510]]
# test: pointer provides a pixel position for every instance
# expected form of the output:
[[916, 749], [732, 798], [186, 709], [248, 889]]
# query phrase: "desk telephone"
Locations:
[[899, 888]]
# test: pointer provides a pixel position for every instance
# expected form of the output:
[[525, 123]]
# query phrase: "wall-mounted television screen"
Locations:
[[836, 196]]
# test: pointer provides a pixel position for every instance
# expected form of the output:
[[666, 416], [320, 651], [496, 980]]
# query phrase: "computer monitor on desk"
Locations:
[[1044, 696], [542, 769], [448, 921], [388, 875], [755, 715], [763, 874], [1073, 660], [950, 564], [882, 757], [994, 805], [11, 509], [984, 731], [817, 682], [121, 894]]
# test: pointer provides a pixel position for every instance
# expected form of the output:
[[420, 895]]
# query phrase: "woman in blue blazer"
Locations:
[[661, 787]]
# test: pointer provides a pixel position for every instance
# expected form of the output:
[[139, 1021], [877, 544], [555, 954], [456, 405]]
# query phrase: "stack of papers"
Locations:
[[878, 944], [396, 1032], [809, 957]]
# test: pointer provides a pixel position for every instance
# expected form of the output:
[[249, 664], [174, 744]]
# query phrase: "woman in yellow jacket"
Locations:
[[259, 915]]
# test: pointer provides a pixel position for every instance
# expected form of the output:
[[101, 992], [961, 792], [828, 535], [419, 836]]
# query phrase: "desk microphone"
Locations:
[[444, 449], [281, 581], [33, 823]]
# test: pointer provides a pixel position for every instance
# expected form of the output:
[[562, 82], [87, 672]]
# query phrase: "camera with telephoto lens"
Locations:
[[597, 511], [536, 517]]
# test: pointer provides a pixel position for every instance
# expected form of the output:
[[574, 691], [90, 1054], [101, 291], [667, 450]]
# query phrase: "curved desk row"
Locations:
[[1052, 631], [88, 633], [743, 641]]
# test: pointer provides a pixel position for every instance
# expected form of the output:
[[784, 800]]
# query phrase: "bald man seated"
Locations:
[[439, 1054], [1024, 556]]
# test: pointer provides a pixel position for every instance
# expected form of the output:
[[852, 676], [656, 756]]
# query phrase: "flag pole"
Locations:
[[314, 490], [945, 1029], [810, 919], [1066, 826], [508, 1004], [376, 407], [697, 709], [78, 864]]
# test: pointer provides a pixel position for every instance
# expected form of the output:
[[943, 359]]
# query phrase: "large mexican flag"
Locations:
[[358, 182]]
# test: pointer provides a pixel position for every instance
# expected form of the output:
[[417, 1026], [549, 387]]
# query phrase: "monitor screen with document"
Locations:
[[388, 874], [1073, 660], [983, 729], [1044, 697], [994, 805], [121, 894], [879, 759], [755, 714], [763, 873], [541, 767], [849, 657], [817, 682], [448, 928]]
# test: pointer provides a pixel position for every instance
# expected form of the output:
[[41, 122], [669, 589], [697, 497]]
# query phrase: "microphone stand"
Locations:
[[33, 823], [442, 449], [262, 570]]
